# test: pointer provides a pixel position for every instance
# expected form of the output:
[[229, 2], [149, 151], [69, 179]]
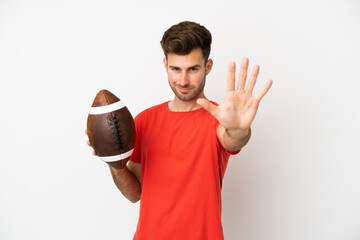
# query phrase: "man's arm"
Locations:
[[233, 140], [128, 180]]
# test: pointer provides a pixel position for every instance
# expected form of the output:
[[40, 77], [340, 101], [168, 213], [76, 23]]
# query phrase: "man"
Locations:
[[183, 145]]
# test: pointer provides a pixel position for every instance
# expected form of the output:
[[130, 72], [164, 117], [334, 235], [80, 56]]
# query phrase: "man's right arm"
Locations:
[[128, 180]]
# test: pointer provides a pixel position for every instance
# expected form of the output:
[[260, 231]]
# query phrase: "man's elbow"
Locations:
[[135, 199], [135, 195]]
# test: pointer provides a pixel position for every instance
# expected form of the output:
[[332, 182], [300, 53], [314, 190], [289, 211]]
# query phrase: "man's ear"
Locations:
[[165, 63], [209, 65]]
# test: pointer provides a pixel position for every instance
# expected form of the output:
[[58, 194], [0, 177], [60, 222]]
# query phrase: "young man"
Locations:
[[183, 145]]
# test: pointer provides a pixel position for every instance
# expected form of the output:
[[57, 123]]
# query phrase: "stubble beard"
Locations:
[[191, 96]]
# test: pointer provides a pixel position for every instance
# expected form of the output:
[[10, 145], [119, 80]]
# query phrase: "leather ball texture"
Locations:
[[111, 129]]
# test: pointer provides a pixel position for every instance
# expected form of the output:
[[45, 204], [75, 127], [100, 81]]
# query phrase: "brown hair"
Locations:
[[183, 37]]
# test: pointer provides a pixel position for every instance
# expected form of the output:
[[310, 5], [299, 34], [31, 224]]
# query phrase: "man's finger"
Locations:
[[243, 73], [231, 77], [208, 106], [252, 81], [264, 90]]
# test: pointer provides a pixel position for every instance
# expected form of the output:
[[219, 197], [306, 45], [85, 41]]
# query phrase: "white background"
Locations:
[[298, 178]]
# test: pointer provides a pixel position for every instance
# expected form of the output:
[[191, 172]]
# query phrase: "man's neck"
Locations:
[[176, 105]]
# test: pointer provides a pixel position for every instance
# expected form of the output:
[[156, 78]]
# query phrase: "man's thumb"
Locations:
[[207, 105]]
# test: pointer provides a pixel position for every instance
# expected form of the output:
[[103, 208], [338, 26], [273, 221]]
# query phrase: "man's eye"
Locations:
[[193, 69], [175, 69]]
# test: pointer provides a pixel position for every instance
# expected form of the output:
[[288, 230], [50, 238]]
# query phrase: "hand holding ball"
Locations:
[[111, 129]]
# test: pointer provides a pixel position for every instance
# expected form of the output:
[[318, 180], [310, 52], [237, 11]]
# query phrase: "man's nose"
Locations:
[[184, 79]]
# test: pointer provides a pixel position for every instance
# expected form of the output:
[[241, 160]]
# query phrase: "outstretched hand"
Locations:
[[239, 107]]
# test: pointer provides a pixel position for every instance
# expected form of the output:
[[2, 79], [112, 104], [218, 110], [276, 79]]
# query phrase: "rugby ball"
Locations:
[[111, 129]]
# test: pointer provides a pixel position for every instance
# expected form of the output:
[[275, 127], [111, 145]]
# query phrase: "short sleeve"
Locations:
[[136, 155], [223, 155]]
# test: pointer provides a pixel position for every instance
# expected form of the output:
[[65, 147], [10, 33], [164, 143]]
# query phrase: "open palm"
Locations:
[[239, 107]]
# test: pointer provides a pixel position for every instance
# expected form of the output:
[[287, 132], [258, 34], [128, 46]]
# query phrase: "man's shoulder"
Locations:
[[153, 110]]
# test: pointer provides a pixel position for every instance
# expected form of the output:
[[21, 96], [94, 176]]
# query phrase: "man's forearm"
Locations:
[[127, 183], [233, 140]]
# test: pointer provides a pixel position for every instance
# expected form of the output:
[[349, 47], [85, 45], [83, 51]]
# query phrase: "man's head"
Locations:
[[184, 37], [187, 47]]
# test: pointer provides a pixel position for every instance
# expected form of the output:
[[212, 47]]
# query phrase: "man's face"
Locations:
[[187, 74]]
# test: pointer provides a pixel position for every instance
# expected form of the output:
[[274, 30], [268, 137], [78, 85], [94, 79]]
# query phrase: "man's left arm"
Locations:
[[236, 113], [233, 140]]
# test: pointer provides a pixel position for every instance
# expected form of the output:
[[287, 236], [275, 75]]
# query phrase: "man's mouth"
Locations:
[[184, 89]]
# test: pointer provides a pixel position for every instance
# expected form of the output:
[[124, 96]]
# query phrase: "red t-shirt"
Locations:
[[182, 167]]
